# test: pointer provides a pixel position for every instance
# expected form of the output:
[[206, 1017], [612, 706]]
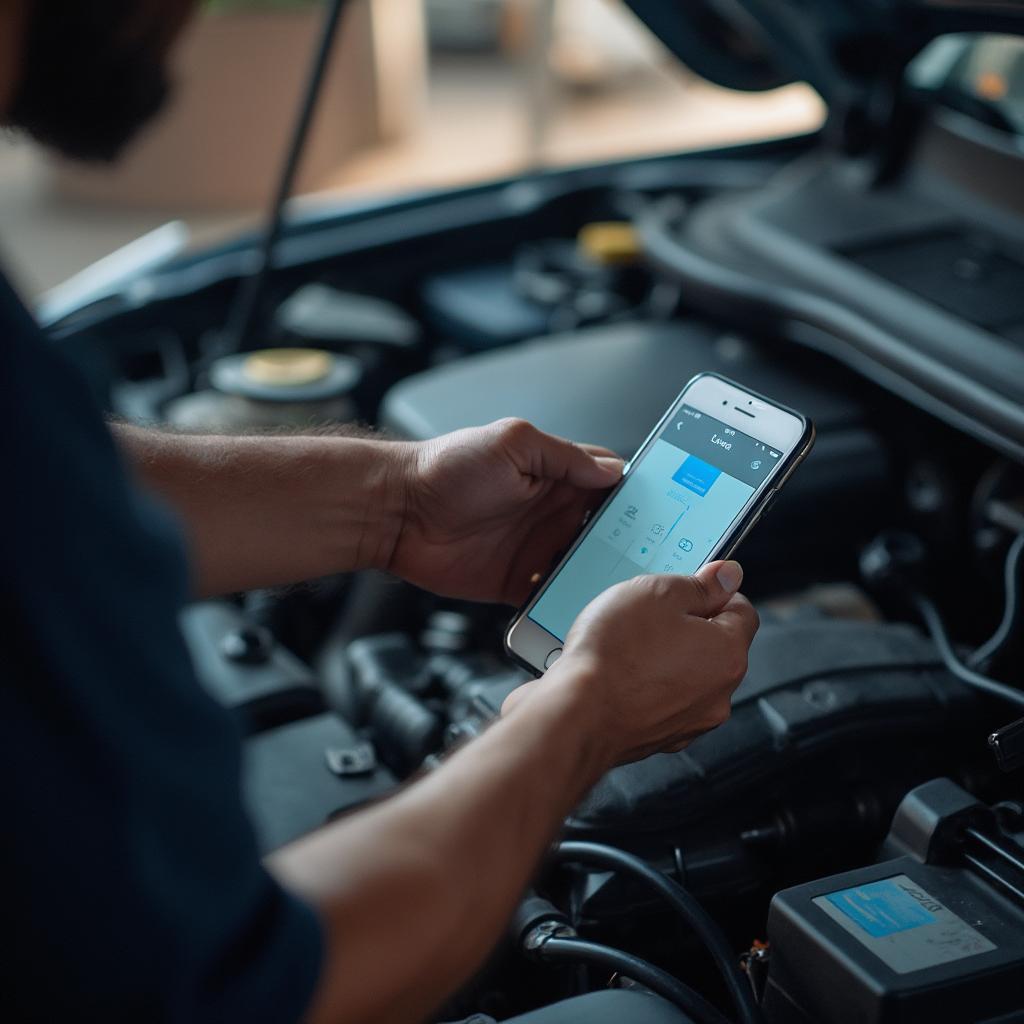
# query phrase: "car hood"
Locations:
[[843, 48]]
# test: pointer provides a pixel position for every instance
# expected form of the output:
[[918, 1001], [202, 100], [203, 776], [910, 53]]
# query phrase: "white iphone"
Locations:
[[697, 486]]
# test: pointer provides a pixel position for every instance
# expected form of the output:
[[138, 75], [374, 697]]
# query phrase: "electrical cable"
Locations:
[[1012, 581], [935, 626], [685, 906], [245, 312], [658, 981]]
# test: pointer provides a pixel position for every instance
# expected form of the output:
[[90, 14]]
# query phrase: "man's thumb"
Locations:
[[714, 584], [554, 458]]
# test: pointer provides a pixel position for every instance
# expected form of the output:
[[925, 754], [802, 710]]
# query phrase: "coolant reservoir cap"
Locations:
[[286, 374], [610, 243], [287, 367]]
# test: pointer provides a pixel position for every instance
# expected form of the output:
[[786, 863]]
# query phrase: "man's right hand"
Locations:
[[414, 891], [652, 663]]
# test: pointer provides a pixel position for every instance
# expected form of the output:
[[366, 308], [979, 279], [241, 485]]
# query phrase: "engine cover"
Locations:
[[835, 721], [608, 385]]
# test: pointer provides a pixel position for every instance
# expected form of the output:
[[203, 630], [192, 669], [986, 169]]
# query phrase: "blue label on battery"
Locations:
[[883, 908]]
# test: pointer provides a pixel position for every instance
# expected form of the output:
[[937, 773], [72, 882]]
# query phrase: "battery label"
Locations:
[[904, 926], [883, 908]]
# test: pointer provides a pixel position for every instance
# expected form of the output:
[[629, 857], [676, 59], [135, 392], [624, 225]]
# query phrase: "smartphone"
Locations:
[[700, 482]]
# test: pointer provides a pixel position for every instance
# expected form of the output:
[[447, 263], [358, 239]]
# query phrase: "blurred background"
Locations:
[[421, 94]]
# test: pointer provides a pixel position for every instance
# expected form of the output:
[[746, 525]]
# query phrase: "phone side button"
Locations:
[[768, 502], [552, 657]]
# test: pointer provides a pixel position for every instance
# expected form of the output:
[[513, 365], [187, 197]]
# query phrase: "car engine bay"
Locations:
[[884, 302]]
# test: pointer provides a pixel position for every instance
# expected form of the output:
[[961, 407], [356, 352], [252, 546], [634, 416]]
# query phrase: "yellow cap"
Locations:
[[288, 367], [610, 241]]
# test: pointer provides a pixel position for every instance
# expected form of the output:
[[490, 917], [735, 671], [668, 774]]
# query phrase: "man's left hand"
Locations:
[[489, 508]]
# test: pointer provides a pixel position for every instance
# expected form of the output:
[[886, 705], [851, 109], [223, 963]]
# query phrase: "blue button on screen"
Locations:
[[696, 475]]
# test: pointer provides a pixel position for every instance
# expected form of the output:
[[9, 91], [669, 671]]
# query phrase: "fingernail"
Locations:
[[730, 575], [610, 465]]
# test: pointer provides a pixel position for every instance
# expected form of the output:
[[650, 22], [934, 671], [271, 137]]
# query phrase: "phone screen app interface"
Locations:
[[676, 505]]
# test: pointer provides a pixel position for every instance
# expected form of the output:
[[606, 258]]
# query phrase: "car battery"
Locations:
[[934, 935]]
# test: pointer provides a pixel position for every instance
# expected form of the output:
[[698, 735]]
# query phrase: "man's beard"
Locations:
[[85, 90]]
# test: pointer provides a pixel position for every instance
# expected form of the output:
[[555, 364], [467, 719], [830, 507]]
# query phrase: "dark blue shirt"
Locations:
[[131, 886]]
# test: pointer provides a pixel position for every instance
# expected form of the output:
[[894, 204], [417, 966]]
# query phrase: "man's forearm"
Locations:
[[266, 511], [415, 893]]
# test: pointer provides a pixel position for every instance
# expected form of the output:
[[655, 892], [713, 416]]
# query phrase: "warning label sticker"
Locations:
[[904, 926]]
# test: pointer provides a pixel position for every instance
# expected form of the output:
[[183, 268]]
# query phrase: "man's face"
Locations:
[[93, 71]]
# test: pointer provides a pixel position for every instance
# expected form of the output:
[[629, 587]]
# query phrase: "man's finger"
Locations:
[[739, 618], [600, 450], [711, 588]]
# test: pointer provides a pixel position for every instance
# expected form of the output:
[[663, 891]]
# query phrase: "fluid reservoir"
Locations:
[[274, 387]]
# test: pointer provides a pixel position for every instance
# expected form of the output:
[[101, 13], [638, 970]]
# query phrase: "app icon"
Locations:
[[696, 475], [756, 464], [685, 544]]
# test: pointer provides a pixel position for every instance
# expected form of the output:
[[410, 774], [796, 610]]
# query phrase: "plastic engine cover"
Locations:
[[834, 722]]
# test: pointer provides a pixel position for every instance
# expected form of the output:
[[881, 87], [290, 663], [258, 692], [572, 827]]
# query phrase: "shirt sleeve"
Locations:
[[133, 887]]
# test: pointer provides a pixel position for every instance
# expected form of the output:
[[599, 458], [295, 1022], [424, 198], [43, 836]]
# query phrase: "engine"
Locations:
[[816, 806]]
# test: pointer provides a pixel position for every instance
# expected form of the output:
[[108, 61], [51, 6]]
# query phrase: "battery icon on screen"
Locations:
[[774, 455]]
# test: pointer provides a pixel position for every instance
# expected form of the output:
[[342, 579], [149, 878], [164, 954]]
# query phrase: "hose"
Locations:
[[1012, 585], [685, 906], [935, 626], [694, 1005]]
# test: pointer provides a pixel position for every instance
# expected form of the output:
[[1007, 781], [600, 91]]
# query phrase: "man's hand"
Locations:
[[473, 514], [653, 661], [414, 892], [488, 508]]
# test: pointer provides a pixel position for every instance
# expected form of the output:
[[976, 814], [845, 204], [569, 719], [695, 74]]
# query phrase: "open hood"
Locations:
[[853, 52]]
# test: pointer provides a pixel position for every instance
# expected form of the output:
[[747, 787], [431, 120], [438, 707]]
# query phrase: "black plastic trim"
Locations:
[[827, 326]]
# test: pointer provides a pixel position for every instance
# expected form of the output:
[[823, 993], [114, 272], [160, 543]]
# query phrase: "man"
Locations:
[[133, 889]]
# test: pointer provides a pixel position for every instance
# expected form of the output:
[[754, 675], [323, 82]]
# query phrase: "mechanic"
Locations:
[[133, 887]]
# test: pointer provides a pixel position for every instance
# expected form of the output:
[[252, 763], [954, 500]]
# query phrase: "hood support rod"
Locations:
[[245, 314]]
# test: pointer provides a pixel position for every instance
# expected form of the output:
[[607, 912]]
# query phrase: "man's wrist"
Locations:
[[570, 689], [383, 482], [399, 465]]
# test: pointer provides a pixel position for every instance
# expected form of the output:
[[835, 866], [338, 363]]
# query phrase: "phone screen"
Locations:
[[677, 503]]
